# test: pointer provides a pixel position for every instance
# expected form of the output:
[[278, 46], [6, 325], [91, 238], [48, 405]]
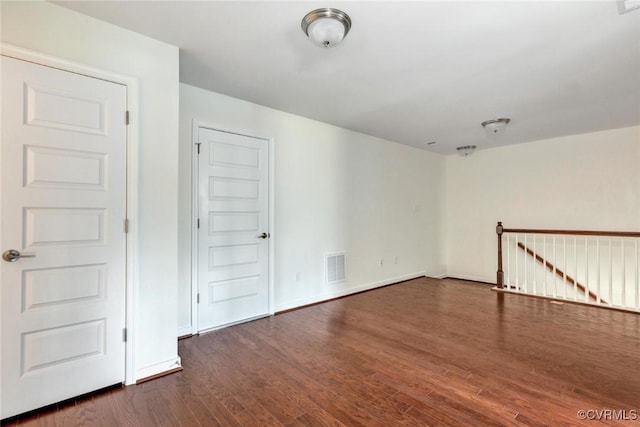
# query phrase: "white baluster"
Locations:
[[535, 284], [520, 278], [598, 268], [517, 271], [526, 264], [575, 270], [544, 265], [610, 273], [509, 263], [586, 270], [637, 278], [624, 274], [564, 266], [555, 263]]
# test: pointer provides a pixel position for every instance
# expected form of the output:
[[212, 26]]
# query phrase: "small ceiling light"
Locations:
[[466, 151], [326, 27], [625, 6], [495, 128]]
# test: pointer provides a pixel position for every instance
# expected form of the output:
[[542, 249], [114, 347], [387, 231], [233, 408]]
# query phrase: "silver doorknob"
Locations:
[[264, 236], [12, 255]]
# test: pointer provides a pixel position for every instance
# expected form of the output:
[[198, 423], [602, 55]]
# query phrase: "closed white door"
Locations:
[[233, 249], [63, 183]]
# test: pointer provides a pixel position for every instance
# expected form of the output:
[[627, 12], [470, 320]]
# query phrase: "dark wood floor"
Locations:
[[423, 352]]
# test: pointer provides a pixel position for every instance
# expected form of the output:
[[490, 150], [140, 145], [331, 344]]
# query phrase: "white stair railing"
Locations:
[[593, 267]]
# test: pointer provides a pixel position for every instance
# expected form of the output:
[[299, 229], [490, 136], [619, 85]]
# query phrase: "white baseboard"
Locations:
[[185, 330], [324, 297], [158, 368], [485, 279]]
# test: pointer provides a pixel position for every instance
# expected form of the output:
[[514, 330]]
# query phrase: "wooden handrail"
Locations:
[[501, 230], [573, 232], [560, 273]]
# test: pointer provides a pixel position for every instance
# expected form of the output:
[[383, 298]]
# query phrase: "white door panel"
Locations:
[[233, 261], [63, 183]]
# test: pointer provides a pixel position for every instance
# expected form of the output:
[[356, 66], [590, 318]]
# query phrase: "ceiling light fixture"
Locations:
[[466, 150], [625, 6], [495, 128], [326, 27]]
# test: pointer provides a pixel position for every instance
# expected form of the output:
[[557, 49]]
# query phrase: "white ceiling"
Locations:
[[411, 72]]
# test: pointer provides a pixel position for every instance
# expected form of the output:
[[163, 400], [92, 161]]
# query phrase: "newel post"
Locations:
[[500, 274]]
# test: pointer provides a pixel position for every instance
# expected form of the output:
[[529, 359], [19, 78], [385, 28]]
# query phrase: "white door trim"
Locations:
[[196, 125], [132, 178]]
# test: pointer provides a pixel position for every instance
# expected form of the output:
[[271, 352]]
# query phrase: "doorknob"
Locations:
[[264, 236], [12, 255]]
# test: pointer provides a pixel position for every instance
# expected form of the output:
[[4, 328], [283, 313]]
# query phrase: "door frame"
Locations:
[[132, 175], [196, 125]]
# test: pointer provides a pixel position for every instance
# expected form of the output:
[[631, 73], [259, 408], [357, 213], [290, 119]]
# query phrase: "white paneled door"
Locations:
[[63, 183], [233, 248]]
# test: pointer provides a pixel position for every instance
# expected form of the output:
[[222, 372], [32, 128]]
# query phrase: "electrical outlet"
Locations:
[[380, 262], [395, 259]]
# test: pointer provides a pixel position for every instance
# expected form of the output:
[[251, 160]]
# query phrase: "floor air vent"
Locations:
[[336, 268]]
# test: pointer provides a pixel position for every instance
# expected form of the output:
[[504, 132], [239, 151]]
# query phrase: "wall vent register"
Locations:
[[336, 268]]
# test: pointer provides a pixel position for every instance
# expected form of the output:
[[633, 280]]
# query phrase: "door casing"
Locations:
[[196, 125], [131, 184]]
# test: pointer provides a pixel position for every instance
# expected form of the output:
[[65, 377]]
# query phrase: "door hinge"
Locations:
[[198, 144], [198, 298], [198, 221], [126, 225], [126, 117], [124, 334]]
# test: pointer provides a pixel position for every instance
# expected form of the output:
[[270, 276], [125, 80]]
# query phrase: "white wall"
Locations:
[[336, 190], [589, 181], [53, 30]]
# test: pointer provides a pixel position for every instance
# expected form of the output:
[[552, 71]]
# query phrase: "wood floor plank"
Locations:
[[81, 414], [425, 352]]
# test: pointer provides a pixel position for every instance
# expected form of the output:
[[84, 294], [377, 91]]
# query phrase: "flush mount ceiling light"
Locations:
[[467, 150], [625, 6], [326, 27], [495, 128]]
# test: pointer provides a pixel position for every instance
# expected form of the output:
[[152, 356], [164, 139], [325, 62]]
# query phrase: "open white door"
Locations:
[[63, 205], [233, 247]]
